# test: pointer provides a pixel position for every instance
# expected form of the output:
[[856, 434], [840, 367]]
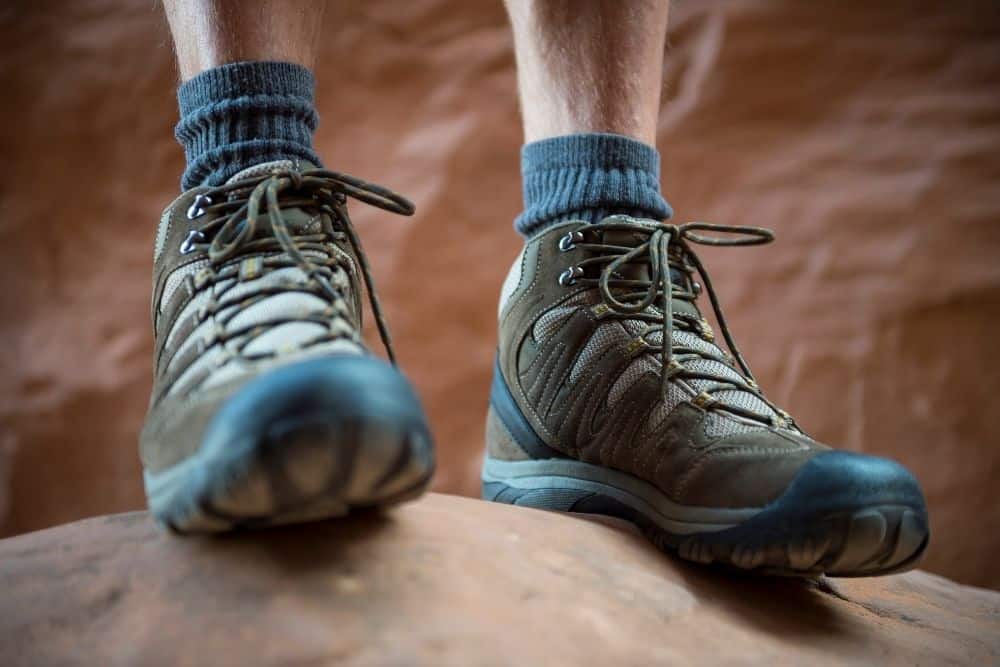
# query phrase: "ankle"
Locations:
[[241, 114], [588, 177]]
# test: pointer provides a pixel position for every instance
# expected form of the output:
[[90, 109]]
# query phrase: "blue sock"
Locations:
[[242, 114], [588, 177]]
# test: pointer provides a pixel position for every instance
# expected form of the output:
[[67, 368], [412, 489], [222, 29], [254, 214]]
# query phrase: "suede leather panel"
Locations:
[[752, 471]]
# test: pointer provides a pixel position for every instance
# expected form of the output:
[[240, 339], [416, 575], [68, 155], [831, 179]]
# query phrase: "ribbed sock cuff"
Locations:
[[588, 177], [242, 114]]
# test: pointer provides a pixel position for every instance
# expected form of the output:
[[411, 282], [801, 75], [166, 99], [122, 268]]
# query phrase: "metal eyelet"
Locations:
[[568, 242], [188, 246], [696, 287], [569, 276], [197, 208]]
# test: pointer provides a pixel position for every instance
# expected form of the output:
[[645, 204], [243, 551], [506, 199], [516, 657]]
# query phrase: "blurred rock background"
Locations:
[[866, 134]]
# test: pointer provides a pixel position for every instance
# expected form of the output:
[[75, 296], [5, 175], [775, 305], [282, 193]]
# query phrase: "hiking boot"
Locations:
[[611, 396], [267, 408]]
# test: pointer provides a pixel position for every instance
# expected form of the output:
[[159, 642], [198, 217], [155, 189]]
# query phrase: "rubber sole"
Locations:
[[304, 443], [827, 522]]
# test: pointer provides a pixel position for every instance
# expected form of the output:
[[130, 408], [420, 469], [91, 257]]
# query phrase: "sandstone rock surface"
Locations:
[[452, 581]]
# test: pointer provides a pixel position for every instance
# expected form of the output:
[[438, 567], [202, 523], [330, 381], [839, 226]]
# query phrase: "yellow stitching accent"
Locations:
[[703, 400], [706, 331], [250, 268], [635, 346], [202, 277], [673, 368]]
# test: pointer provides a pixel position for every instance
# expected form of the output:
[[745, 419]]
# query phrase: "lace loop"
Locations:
[[741, 235]]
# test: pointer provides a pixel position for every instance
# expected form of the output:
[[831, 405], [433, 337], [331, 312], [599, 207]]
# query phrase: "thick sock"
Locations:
[[242, 114], [588, 177]]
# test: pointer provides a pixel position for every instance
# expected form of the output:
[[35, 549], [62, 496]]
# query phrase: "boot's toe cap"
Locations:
[[838, 479]]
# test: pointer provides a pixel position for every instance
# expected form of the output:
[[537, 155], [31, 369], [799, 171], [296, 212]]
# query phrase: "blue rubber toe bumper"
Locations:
[[838, 480], [329, 389]]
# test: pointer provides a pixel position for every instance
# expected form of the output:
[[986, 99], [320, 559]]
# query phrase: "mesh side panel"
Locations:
[[690, 340], [700, 365], [551, 321], [245, 288], [291, 305], [634, 327], [238, 290], [620, 331], [230, 370], [675, 396], [207, 361], [606, 335], [745, 400], [236, 367], [629, 377], [194, 304], [684, 339], [287, 336], [176, 279], [718, 425], [735, 397], [200, 332], [274, 278]]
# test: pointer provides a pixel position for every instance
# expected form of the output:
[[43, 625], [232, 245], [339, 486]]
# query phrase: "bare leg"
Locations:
[[589, 65], [209, 33]]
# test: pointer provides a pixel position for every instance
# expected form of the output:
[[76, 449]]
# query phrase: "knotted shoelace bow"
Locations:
[[238, 211], [665, 247]]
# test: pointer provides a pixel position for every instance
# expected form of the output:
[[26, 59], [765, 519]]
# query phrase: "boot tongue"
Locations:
[[298, 221], [273, 167], [640, 270]]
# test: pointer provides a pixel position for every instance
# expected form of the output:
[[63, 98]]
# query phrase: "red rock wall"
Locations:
[[866, 134]]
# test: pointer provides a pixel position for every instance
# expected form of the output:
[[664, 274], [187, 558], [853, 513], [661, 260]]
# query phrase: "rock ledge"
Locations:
[[449, 580]]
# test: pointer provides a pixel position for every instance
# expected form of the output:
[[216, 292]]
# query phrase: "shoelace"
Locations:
[[238, 210], [636, 298]]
